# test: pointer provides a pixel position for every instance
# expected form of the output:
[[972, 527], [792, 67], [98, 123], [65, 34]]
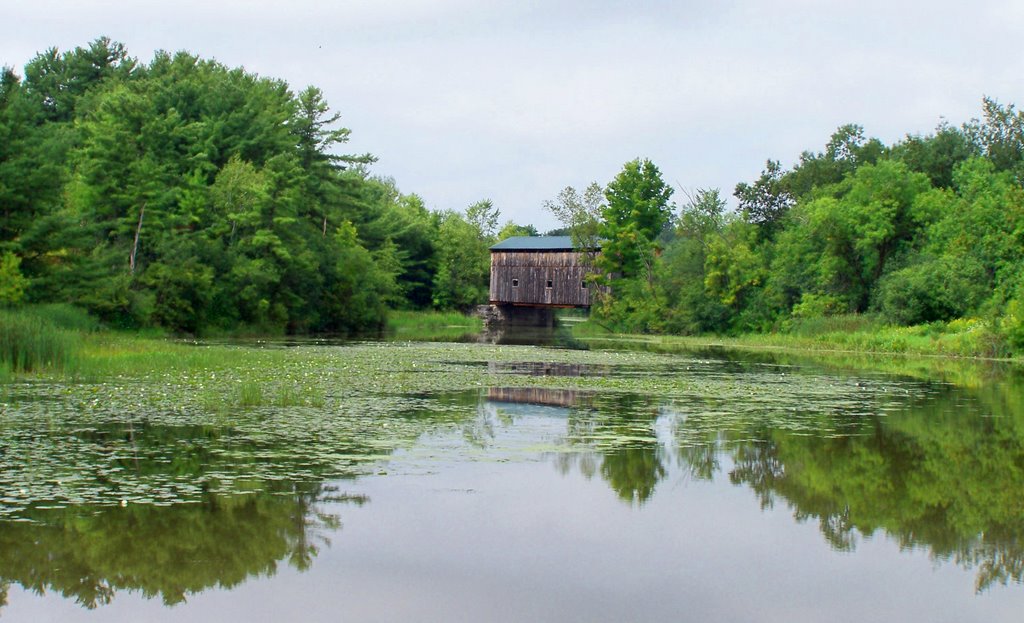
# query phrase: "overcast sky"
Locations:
[[462, 100]]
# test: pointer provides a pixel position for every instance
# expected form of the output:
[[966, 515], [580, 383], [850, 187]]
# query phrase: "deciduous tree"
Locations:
[[636, 211]]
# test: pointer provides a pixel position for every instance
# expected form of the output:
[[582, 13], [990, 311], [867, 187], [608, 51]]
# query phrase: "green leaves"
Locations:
[[839, 244], [580, 213], [930, 229], [238, 179], [767, 200], [636, 212], [463, 261], [733, 266], [12, 282], [932, 289]]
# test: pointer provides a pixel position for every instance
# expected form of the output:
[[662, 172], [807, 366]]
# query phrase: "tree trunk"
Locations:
[[135, 245]]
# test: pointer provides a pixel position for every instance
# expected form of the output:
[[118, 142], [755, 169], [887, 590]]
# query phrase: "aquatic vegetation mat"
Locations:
[[252, 416]]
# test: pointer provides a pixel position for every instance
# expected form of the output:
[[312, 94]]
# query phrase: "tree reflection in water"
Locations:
[[633, 472], [940, 467], [943, 471], [634, 463], [192, 533], [945, 474], [166, 552]]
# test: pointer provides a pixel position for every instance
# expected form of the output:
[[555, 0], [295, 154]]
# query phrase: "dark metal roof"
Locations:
[[535, 243]]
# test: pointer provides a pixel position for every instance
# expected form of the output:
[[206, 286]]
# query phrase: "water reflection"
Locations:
[[559, 336], [932, 476], [215, 498], [166, 552], [631, 457], [144, 462], [538, 396], [545, 368], [165, 510], [942, 469]]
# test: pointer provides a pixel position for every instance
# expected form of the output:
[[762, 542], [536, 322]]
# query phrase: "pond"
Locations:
[[470, 482]]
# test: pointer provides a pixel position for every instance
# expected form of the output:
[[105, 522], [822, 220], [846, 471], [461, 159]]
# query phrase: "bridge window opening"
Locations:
[[515, 283], [583, 285], [550, 283]]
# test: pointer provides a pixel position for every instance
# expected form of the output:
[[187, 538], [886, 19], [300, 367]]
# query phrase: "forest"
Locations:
[[186, 195], [189, 196]]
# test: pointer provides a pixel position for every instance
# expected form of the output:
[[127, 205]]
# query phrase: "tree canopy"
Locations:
[[926, 230], [185, 194], [188, 195]]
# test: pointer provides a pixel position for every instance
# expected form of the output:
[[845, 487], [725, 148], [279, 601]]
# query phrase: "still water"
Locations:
[[461, 482]]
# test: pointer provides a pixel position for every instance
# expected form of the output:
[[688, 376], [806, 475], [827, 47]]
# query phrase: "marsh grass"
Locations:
[[113, 354], [431, 325], [842, 323], [251, 394], [31, 343], [292, 396], [64, 341], [590, 328], [64, 316], [966, 337]]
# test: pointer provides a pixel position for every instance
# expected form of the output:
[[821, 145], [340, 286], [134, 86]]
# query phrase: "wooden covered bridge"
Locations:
[[531, 276], [540, 271]]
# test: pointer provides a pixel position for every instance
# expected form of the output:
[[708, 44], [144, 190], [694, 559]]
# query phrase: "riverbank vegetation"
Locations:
[[849, 333], [912, 247], [184, 197]]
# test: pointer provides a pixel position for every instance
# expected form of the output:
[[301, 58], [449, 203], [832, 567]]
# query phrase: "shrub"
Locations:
[[932, 290], [837, 325], [634, 306], [1012, 325], [818, 306]]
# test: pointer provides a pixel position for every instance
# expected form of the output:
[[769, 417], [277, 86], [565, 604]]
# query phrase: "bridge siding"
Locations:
[[533, 269]]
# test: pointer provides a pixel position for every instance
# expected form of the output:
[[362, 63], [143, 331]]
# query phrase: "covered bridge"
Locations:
[[539, 271]]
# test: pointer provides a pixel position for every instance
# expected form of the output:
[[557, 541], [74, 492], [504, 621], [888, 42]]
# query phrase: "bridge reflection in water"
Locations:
[[536, 396]]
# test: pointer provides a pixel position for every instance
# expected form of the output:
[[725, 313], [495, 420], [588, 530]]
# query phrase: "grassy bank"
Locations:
[[857, 334], [64, 341]]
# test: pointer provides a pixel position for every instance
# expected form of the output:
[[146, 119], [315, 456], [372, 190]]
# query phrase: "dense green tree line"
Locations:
[[185, 194], [927, 230], [188, 195]]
